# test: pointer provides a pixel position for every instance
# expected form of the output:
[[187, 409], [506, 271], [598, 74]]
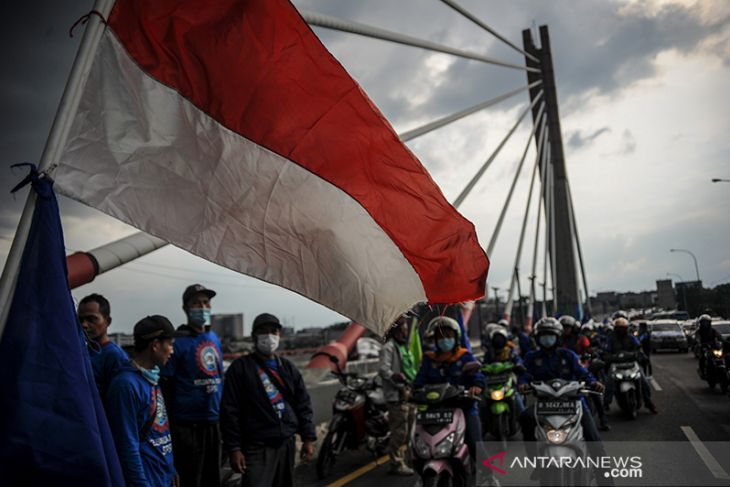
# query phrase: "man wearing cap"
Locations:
[[265, 403], [192, 385], [136, 410]]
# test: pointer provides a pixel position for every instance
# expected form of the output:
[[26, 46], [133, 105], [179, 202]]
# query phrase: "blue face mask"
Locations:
[[446, 344], [199, 316], [152, 375], [547, 341]]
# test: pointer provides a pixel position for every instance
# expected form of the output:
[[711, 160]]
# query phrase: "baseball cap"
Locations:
[[265, 319], [194, 289], [155, 326]]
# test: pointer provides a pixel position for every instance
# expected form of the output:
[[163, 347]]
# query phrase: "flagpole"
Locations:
[[54, 145]]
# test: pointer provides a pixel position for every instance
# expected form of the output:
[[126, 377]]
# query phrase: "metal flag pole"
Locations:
[[54, 145]]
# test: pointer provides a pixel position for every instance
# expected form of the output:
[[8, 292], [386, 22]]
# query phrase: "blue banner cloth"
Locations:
[[52, 423]]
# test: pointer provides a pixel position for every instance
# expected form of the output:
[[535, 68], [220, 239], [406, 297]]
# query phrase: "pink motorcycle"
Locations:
[[440, 455]]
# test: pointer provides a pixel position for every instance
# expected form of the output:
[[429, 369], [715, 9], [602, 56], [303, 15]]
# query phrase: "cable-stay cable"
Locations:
[[580, 251], [495, 234], [484, 26], [335, 23], [470, 185], [424, 129]]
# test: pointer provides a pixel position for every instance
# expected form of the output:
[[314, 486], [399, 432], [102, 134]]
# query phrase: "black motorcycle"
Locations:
[[358, 417], [715, 367]]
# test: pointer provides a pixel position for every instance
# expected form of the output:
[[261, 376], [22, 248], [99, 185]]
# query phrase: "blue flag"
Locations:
[[52, 424]]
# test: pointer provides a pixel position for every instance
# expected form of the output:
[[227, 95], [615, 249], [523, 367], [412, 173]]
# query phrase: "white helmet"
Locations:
[[548, 325], [503, 323], [445, 322]]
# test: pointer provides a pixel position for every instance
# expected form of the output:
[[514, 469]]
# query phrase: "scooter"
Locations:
[[625, 374], [558, 431], [715, 367], [499, 410], [440, 454], [359, 415]]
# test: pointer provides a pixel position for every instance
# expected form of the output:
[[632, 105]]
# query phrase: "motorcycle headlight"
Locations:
[[443, 449], [556, 437], [717, 353], [619, 376], [422, 449], [497, 395]]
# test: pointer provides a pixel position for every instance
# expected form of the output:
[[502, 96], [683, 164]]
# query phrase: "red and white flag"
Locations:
[[226, 128]]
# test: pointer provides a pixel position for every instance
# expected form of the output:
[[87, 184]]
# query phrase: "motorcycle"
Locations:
[[625, 374], [358, 416], [499, 410], [593, 364], [440, 454], [558, 431], [715, 367]]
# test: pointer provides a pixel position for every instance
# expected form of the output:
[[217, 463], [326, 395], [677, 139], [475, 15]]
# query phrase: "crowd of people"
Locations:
[[173, 412]]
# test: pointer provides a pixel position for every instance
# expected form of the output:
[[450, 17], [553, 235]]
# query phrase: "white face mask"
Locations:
[[267, 344]]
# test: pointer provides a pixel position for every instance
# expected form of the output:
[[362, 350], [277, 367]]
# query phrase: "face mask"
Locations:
[[267, 344], [152, 375], [446, 344], [199, 316], [547, 341]]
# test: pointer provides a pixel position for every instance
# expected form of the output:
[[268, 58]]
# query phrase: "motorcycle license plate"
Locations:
[[435, 417], [555, 407]]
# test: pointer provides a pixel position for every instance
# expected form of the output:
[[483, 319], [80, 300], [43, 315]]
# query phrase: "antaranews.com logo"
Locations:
[[611, 466]]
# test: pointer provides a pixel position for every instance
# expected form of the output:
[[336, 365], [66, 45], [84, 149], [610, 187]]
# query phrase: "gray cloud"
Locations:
[[577, 140]]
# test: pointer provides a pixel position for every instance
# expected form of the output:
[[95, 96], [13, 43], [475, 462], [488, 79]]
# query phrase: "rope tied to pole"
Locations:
[[85, 18]]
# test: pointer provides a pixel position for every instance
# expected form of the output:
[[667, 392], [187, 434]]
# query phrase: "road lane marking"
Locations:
[[655, 384], [710, 462], [359, 472]]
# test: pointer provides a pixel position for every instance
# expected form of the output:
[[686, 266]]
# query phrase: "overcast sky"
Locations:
[[643, 94]]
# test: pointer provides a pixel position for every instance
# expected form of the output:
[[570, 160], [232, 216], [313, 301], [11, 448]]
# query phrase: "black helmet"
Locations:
[[568, 321], [704, 320]]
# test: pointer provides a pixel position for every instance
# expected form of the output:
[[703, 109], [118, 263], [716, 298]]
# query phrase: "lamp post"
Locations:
[[697, 269], [496, 299], [684, 289], [719, 180]]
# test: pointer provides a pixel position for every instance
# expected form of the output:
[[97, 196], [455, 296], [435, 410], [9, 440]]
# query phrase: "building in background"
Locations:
[[228, 327], [665, 294]]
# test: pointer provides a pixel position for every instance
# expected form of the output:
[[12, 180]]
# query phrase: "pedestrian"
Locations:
[[106, 356], [265, 403], [192, 382], [397, 369], [136, 409]]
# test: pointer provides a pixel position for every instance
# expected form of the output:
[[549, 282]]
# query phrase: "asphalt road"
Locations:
[[688, 409]]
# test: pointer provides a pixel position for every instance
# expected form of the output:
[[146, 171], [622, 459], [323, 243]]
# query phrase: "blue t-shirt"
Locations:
[[144, 448], [197, 369], [105, 363]]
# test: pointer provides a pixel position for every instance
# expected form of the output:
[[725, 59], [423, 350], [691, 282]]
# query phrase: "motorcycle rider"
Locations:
[[397, 368], [498, 350], [551, 361], [622, 341], [706, 336], [445, 364], [581, 345]]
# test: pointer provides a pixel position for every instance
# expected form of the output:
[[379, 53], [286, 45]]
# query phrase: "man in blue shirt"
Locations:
[[192, 383], [265, 403], [136, 409], [106, 357], [551, 361]]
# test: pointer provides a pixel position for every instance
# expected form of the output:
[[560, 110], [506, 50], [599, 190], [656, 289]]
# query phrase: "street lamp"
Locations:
[[684, 289], [718, 180], [496, 299], [697, 269]]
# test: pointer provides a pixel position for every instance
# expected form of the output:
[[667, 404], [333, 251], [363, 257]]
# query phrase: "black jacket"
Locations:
[[247, 417]]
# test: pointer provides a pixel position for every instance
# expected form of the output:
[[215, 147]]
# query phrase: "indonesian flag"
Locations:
[[226, 128]]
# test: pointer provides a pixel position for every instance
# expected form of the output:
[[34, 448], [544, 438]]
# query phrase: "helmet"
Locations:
[[587, 328], [621, 323], [443, 322], [548, 325], [568, 321], [503, 323], [619, 314], [499, 332], [704, 319]]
